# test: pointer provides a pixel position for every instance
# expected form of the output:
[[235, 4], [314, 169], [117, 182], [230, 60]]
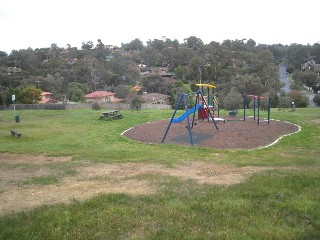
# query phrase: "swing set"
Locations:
[[201, 105]]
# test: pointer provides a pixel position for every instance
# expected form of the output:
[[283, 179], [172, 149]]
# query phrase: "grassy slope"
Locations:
[[278, 204]]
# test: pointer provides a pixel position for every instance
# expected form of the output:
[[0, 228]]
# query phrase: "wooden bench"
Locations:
[[111, 115], [15, 133]]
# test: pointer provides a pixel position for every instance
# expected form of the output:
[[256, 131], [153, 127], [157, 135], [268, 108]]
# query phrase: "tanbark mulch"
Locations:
[[233, 134]]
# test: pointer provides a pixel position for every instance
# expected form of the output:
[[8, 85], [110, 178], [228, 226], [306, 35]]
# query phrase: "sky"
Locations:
[[40, 23]]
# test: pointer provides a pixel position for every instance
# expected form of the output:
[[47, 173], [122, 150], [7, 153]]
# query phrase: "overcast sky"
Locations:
[[39, 23]]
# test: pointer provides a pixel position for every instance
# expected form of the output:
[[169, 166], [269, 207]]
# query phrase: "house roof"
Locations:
[[117, 100], [46, 93], [150, 97], [47, 100], [137, 88], [99, 94]]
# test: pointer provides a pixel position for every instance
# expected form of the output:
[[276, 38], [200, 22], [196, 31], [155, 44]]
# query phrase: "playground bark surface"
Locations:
[[233, 134]]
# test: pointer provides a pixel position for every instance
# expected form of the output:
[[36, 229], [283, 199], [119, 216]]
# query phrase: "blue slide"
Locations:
[[186, 113]]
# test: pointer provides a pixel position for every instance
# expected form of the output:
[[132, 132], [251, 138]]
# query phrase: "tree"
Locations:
[[233, 100], [155, 83], [179, 89], [316, 100], [184, 55], [87, 46], [193, 42], [102, 51], [298, 98], [297, 54], [309, 78], [122, 91], [29, 95], [76, 92], [248, 84], [135, 44], [180, 72], [197, 65], [136, 103], [284, 102]]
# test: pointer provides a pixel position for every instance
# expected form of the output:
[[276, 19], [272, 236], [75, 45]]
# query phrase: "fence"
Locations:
[[54, 106], [57, 106], [119, 106]]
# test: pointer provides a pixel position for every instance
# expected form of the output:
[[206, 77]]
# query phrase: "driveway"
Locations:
[[283, 75]]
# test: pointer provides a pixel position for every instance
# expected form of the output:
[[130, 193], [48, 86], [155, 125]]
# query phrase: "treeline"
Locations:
[[234, 66]]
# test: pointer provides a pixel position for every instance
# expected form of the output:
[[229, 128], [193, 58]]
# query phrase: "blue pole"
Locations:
[[195, 105], [189, 127], [174, 113]]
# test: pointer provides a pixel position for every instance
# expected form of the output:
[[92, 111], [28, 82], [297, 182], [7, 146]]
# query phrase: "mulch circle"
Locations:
[[233, 134]]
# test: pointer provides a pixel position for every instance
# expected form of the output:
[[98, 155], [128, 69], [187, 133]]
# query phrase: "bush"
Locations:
[[298, 98], [284, 103], [96, 106], [136, 103], [233, 100], [316, 100]]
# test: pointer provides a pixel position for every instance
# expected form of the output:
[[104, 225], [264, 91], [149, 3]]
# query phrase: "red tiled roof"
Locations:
[[46, 93], [47, 100], [137, 88], [154, 97], [99, 94]]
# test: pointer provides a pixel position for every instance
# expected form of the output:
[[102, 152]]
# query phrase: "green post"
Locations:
[[17, 118], [258, 121], [269, 106]]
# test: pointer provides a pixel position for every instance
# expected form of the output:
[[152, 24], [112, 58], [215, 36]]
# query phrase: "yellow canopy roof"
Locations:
[[205, 85]]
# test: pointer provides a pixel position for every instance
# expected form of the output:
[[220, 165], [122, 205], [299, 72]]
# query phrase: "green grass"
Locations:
[[274, 204]]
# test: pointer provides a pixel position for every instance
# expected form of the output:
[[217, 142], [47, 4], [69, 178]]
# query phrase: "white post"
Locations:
[[14, 105]]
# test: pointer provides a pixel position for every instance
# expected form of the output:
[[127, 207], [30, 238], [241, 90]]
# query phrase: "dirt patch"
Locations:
[[316, 121], [17, 199], [11, 158], [233, 134], [203, 173], [94, 179]]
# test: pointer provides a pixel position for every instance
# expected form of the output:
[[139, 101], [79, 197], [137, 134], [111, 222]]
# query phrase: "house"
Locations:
[[311, 65], [137, 88], [155, 98], [46, 98], [100, 96]]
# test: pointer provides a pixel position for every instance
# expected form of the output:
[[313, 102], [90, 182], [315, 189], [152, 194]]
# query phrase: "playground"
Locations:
[[198, 125], [231, 134]]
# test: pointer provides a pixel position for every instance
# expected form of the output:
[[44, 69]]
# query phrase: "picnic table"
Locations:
[[111, 115]]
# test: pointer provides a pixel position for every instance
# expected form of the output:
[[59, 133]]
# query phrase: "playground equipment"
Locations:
[[256, 98], [209, 98], [201, 105]]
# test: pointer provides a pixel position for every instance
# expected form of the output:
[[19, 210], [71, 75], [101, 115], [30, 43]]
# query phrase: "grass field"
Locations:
[[280, 202]]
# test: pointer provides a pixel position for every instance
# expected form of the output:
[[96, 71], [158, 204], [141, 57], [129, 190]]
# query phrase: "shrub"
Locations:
[[135, 103], [316, 100], [96, 106], [233, 100], [298, 98]]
